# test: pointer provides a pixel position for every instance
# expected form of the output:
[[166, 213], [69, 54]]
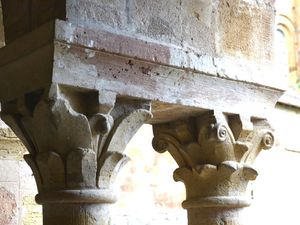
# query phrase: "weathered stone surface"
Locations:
[[110, 14], [215, 153], [160, 20], [76, 214], [10, 146], [7, 207], [75, 148], [84, 86], [31, 212], [238, 28], [198, 26], [9, 171], [9, 191], [151, 81], [205, 36], [246, 29]]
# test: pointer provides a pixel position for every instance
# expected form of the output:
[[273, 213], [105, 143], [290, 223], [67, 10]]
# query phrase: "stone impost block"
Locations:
[[230, 39], [93, 60]]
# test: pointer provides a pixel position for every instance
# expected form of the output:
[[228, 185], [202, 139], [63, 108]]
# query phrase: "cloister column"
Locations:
[[77, 78], [214, 152], [75, 142]]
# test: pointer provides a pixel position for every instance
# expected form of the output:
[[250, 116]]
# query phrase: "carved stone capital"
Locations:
[[214, 153], [75, 141]]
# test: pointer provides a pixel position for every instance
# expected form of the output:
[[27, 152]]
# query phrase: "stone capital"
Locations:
[[75, 141], [215, 153]]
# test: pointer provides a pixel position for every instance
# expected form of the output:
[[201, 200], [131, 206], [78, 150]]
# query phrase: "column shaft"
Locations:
[[75, 214]]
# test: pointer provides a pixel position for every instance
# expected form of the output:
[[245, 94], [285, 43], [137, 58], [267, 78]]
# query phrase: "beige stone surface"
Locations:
[[31, 212], [75, 151], [9, 171], [155, 179], [209, 36], [10, 146], [238, 28], [8, 206], [215, 153], [246, 29], [92, 75], [9, 192], [287, 24]]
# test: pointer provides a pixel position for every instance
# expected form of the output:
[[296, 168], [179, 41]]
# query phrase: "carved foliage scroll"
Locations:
[[214, 152], [73, 149]]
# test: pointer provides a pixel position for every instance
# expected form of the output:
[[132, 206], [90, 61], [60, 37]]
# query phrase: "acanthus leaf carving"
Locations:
[[110, 166], [51, 169], [71, 145], [214, 151], [81, 168]]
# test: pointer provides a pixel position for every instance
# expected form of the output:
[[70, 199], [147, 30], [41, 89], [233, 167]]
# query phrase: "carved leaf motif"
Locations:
[[125, 128], [69, 148], [217, 143], [52, 170], [214, 152], [263, 140], [101, 125], [111, 166], [112, 159], [15, 124], [166, 142], [81, 168], [55, 125]]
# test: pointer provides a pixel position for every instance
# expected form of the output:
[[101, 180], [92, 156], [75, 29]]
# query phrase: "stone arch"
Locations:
[[287, 27]]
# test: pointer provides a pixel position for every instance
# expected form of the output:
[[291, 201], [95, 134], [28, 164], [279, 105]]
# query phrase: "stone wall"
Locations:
[[210, 27], [227, 38], [17, 186], [288, 17]]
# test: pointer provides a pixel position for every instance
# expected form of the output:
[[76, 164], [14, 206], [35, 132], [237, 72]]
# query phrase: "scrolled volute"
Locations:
[[214, 151]]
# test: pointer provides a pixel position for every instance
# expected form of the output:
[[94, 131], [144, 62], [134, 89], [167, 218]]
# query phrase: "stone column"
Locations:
[[214, 152], [75, 139], [70, 70]]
